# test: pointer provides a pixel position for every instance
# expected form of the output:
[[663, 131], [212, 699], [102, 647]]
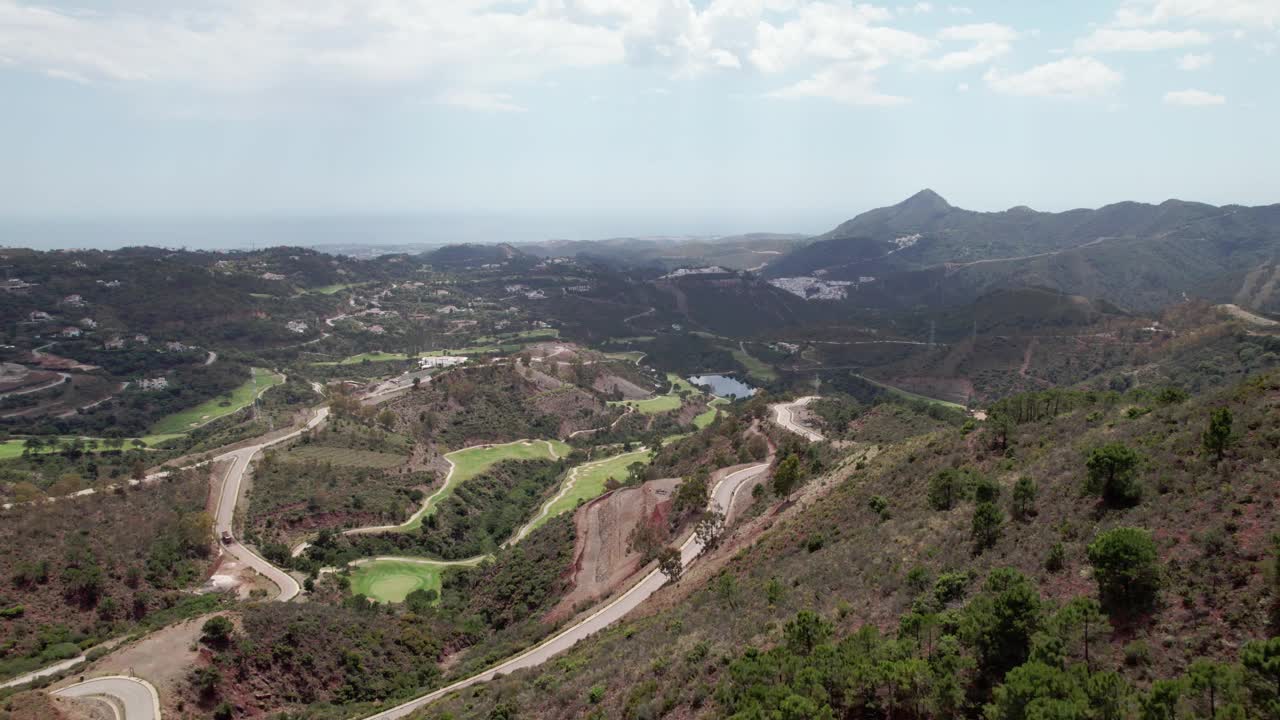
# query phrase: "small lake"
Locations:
[[724, 386]]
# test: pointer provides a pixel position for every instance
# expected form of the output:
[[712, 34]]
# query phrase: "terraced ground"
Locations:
[[346, 456], [210, 410]]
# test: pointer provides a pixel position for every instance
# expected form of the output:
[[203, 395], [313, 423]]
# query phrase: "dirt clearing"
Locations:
[[601, 560]]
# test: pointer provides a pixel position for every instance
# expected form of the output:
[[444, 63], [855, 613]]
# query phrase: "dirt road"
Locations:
[[1241, 314]]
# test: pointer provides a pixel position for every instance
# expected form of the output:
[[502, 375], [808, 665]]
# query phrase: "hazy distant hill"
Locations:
[[471, 255], [751, 251], [925, 251]]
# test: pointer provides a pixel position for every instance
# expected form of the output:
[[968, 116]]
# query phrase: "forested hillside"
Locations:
[[1085, 554]]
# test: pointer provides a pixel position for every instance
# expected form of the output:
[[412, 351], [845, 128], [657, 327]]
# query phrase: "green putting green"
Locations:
[[392, 580]]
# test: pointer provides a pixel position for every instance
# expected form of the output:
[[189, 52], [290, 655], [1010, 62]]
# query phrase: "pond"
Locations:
[[724, 386]]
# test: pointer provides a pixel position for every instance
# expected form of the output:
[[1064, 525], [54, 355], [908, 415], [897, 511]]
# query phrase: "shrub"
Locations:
[[918, 579], [987, 523], [1137, 653], [986, 490], [1113, 475], [879, 505], [999, 623], [806, 631], [1024, 498], [950, 586], [1057, 558], [947, 488], [1217, 437], [1124, 562], [216, 631]]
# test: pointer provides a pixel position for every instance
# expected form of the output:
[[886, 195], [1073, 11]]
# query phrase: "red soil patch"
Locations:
[[602, 562]]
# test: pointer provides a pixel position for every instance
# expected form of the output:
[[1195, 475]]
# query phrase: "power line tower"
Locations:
[[933, 333]]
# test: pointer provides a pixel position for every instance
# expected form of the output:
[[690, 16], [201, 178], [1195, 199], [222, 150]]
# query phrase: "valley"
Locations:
[[494, 479]]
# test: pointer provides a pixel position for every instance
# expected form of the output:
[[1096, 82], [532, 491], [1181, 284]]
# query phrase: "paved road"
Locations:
[[785, 415], [721, 497], [137, 698], [241, 460]]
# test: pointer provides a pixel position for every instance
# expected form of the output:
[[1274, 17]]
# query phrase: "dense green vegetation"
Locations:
[[479, 515]]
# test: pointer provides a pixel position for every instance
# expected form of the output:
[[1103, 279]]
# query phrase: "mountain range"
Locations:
[[924, 251]]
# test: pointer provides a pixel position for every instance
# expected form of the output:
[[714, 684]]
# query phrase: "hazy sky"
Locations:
[[230, 107]]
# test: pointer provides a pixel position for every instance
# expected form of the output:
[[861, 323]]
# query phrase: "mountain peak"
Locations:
[[926, 199]]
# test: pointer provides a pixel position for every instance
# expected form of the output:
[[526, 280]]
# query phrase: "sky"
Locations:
[[655, 115]]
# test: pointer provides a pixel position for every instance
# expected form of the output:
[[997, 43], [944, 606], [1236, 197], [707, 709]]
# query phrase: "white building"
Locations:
[[440, 361], [157, 383]]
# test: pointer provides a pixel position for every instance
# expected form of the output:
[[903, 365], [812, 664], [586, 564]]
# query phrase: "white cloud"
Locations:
[[1138, 40], [1073, 77], [1192, 61], [846, 83], [1193, 98], [74, 77], [242, 46], [824, 32], [478, 100], [1247, 13], [959, 10], [963, 87], [920, 8], [989, 41]]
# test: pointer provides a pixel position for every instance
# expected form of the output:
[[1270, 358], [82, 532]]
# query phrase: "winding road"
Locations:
[[225, 515], [136, 699], [129, 698], [785, 415], [722, 496]]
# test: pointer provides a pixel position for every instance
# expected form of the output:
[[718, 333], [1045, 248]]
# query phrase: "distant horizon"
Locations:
[[234, 232], [228, 231]]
